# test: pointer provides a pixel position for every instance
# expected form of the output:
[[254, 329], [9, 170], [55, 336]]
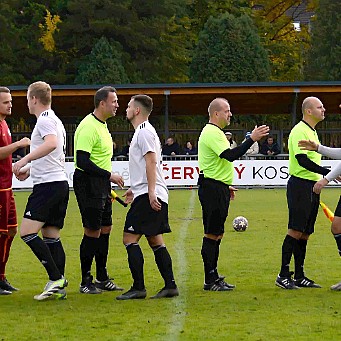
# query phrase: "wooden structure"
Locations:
[[74, 101], [193, 99]]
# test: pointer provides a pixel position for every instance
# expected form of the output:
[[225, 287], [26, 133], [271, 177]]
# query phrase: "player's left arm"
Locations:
[[151, 164], [309, 165], [236, 153]]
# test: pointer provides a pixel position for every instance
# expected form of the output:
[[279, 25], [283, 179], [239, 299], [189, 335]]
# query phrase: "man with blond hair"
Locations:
[[46, 206]]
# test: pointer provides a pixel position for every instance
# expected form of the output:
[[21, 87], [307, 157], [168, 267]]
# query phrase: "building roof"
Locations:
[[300, 14], [192, 99]]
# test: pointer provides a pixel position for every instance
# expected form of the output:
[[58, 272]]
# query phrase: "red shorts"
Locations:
[[8, 212]]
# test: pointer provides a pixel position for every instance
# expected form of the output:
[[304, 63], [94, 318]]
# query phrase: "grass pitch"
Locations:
[[255, 310]]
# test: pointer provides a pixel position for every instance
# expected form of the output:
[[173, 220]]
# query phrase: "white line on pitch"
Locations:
[[181, 275]]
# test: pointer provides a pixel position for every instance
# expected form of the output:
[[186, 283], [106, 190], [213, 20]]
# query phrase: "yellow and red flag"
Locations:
[[328, 213]]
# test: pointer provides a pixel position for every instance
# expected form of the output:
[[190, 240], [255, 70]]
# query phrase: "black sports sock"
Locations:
[[338, 242], [136, 261], [217, 248], [208, 253], [163, 261], [299, 256], [43, 253], [87, 252], [57, 252], [287, 251], [101, 257]]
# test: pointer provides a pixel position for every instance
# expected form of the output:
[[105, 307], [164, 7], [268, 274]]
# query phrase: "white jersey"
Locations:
[[52, 166], [146, 140]]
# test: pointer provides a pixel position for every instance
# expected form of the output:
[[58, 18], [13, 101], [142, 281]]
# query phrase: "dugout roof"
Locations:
[[193, 99]]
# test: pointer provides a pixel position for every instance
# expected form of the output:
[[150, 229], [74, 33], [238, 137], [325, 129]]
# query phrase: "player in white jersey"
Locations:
[[50, 167], [148, 214], [47, 204]]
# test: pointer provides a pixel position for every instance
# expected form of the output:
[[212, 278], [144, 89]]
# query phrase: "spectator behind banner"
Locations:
[[254, 149], [115, 151], [269, 147], [233, 144], [125, 149], [190, 149], [171, 147]]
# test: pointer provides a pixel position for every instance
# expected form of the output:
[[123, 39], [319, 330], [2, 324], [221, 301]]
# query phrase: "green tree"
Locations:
[[229, 50], [150, 33], [103, 66], [200, 10], [24, 57], [324, 58], [9, 40]]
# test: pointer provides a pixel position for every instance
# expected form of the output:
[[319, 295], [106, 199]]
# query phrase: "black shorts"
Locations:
[[214, 198], [94, 200], [303, 204], [48, 203], [142, 219], [338, 209]]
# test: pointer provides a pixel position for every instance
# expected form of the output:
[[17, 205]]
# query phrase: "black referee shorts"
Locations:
[[94, 200], [142, 219], [214, 198], [303, 204]]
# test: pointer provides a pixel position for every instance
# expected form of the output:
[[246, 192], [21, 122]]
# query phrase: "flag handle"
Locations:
[[115, 196]]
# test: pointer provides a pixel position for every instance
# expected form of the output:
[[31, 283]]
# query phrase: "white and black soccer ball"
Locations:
[[240, 224]]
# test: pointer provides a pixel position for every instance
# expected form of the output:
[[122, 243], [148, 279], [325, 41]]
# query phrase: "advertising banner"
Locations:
[[185, 173]]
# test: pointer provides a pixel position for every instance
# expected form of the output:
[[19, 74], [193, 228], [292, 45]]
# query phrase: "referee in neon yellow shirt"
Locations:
[[303, 203], [92, 185], [216, 177]]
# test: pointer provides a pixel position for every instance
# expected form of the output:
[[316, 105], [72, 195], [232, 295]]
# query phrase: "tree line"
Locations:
[[168, 41]]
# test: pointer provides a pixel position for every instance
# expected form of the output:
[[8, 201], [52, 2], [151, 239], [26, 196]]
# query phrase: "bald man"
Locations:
[[303, 203], [215, 191]]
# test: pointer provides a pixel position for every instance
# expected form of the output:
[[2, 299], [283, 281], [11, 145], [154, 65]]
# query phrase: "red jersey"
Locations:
[[5, 164]]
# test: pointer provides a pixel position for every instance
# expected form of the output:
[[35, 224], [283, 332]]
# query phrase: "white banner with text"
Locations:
[[185, 173]]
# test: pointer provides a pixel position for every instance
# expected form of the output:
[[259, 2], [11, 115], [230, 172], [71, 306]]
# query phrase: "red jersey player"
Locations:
[[8, 214]]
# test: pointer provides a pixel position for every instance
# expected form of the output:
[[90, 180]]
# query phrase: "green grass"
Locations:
[[256, 310]]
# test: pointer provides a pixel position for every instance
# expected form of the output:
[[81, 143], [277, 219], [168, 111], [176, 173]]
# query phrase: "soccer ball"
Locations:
[[240, 224]]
